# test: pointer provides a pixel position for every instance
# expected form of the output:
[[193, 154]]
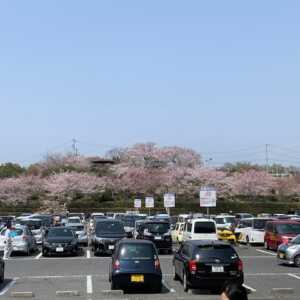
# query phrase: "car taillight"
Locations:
[[240, 265], [116, 265], [284, 240], [193, 266], [157, 264]]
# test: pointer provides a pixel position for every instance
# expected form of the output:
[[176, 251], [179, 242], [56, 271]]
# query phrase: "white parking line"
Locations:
[[167, 287], [88, 253], [39, 256], [294, 276], [89, 284], [249, 288], [266, 252], [4, 291]]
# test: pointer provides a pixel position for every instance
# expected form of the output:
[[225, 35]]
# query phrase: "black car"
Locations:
[[59, 240], [107, 234], [135, 264], [207, 264], [2, 267], [159, 233]]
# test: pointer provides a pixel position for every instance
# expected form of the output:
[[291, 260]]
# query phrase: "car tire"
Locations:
[[176, 277], [266, 245], [2, 276], [185, 283], [297, 261], [113, 285], [158, 288]]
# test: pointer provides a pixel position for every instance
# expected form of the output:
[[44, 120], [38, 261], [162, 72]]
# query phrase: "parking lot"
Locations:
[[86, 277]]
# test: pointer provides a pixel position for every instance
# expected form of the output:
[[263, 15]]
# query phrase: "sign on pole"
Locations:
[[149, 202], [169, 200], [137, 203], [208, 197]]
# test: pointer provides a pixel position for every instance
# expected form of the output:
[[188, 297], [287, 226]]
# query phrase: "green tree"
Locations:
[[9, 170]]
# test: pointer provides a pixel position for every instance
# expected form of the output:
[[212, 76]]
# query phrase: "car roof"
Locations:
[[131, 241], [283, 222], [201, 220], [157, 221], [206, 242]]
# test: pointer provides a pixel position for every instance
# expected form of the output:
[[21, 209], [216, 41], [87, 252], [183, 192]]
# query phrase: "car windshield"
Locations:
[[296, 240], [158, 227], [77, 228], [288, 228], [60, 232], [205, 227], [259, 223], [74, 221], [136, 251], [215, 251], [109, 227], [32, 224]]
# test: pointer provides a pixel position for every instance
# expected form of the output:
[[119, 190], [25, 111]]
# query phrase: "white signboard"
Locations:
[[208, 197], [137, 203], [149, 202], [169, 200]]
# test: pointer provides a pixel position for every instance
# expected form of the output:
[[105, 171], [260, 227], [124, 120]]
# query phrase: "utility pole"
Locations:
[[267, 157], [74, 147]]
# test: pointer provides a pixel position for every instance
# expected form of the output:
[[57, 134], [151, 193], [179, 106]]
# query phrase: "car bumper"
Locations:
[[66, 249], [123, 280], [214, 281]]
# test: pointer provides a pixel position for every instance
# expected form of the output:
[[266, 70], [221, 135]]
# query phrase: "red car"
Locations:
[[280, 232]]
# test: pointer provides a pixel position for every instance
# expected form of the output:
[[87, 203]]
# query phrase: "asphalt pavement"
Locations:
[[86, 277]]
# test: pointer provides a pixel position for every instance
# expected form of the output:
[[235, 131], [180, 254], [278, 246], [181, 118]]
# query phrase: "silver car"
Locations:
[[80, 232], [22, 240], [290, 253]]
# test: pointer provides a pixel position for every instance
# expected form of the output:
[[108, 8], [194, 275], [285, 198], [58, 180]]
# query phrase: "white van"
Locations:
[[252, 230], [200, 229]]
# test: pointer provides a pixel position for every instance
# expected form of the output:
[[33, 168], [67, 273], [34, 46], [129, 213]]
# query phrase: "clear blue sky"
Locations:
[[221, 77]]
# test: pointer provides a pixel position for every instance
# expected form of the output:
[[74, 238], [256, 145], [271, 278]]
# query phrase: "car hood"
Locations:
[[59, 240], [110, 235]]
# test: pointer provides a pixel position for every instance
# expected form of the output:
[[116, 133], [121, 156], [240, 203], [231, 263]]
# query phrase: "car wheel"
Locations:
[[176, 277], [2, 276], [266, 245], [158, 288], [297, 261], [185, 284], [113, 285]]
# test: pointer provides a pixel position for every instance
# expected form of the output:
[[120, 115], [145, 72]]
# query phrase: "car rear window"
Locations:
[[60, 232], [205, 227], [136, 251], [158, 227], [77, 228], [214, 251], [260, 223]]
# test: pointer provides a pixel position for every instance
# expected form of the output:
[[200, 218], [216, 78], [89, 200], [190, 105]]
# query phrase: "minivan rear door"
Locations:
[[204, 230]]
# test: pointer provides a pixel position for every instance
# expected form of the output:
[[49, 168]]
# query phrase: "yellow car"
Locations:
[[177, 232], [225, 234]]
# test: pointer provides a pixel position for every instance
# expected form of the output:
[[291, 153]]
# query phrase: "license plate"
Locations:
[[281, 255], [59, 249], [111, 247], [137, 278], [157, 237], [217, 269]]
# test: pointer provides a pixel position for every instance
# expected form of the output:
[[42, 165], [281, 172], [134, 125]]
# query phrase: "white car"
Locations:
[[73, 220], [200, 229], [225, 221], [252, 230]]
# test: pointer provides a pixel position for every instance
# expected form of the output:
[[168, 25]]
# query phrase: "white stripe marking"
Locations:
[[168, 288], [249, 288], [266, 252], [39, 256], [88, 254], [294, 276], [89, 284], [4, 291]]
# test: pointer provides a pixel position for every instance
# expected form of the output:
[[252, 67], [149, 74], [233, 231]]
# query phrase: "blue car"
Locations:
[[135, 264]]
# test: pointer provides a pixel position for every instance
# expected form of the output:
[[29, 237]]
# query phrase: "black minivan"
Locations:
[[157, 232], [107, 233], [207, 264]]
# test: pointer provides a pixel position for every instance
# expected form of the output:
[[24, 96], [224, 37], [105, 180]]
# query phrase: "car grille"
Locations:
[[59, 244]]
